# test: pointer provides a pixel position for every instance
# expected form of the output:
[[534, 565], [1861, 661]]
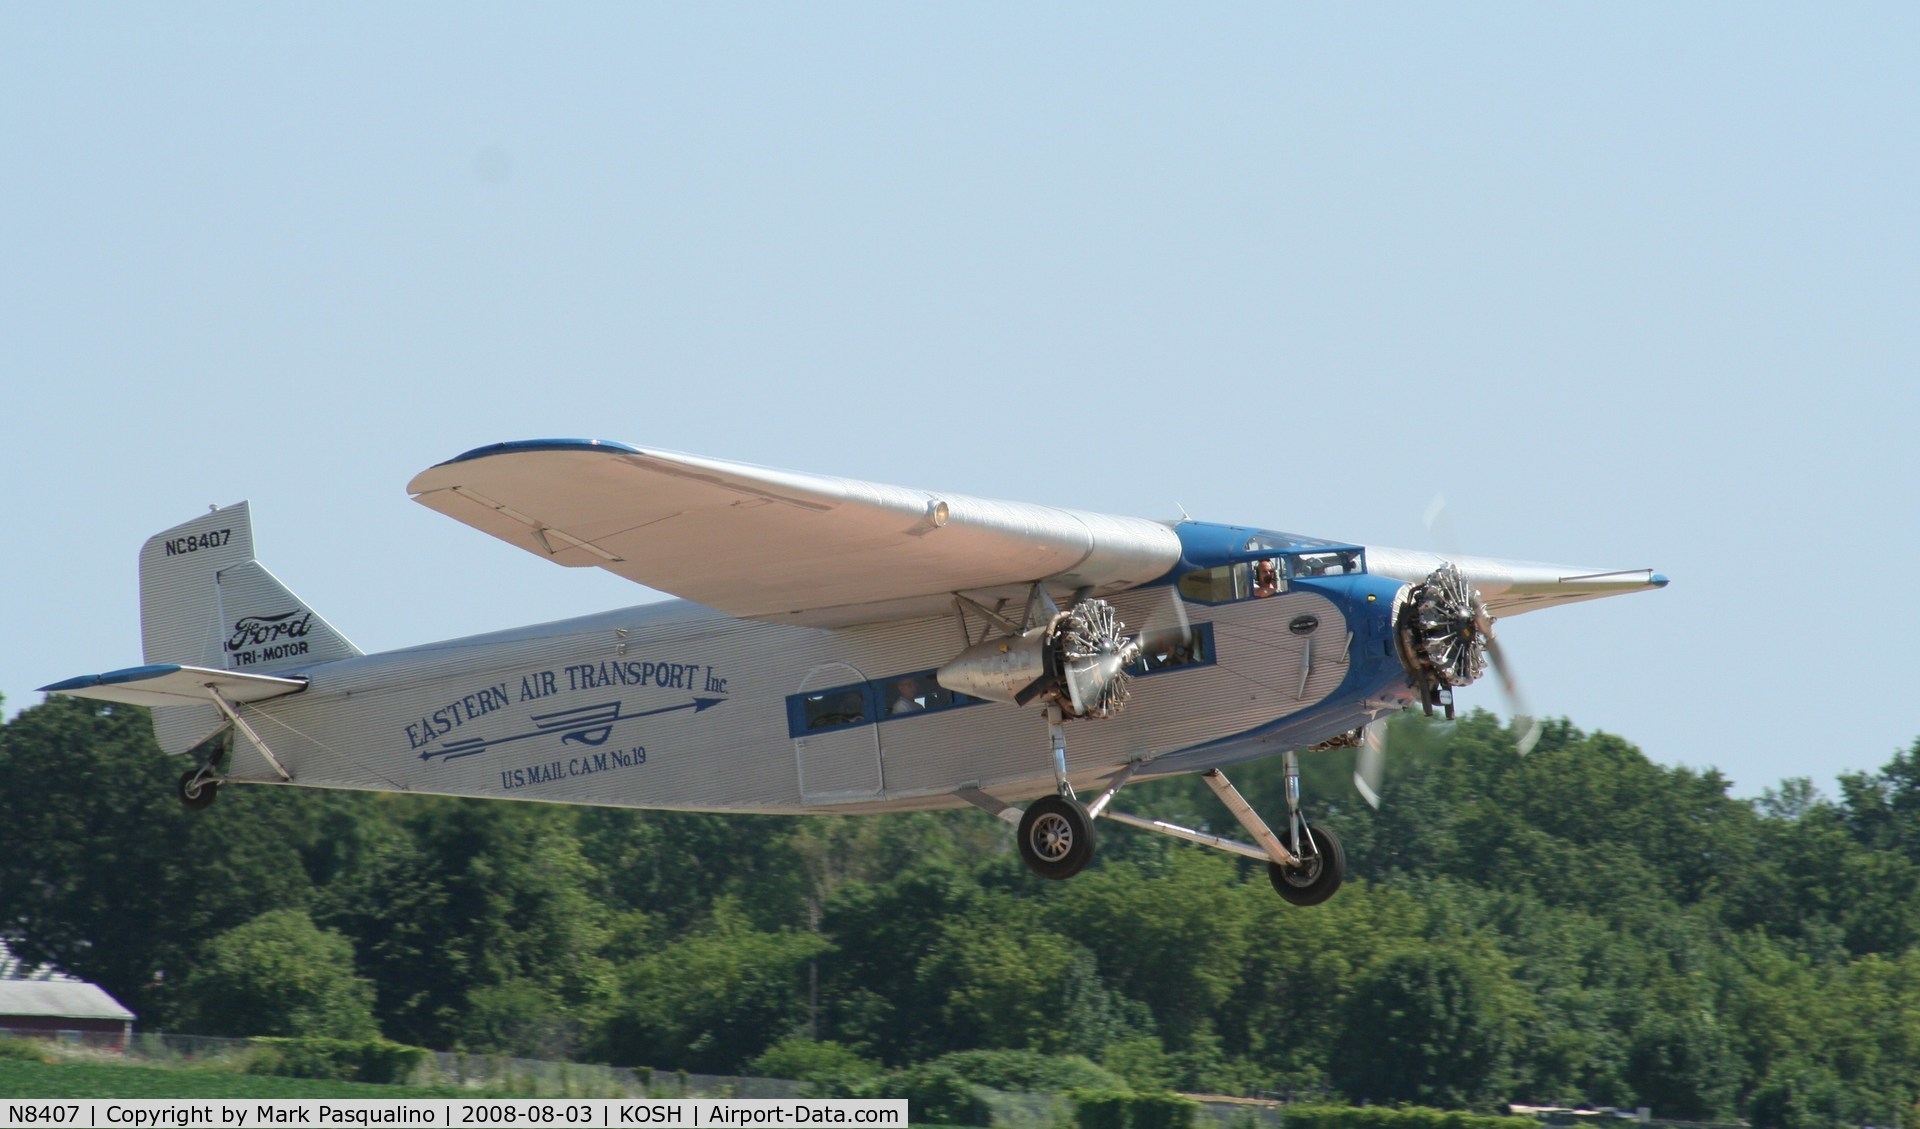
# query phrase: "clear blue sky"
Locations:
[[1633, 285]]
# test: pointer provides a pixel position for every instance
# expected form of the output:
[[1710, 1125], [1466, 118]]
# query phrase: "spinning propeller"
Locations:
[[1078, 657], [1446, 639], [1094, 654]]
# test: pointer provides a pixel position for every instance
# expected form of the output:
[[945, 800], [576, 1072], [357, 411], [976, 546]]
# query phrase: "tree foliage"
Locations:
[[278, 974], [1578, 925]]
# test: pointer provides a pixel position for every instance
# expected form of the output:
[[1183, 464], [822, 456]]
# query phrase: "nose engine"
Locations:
[[1443, 632]]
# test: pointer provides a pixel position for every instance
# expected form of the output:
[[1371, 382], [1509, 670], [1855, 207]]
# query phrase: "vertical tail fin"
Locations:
[[205, 601]]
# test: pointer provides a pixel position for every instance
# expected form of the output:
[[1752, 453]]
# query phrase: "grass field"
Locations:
[[89, 1080]]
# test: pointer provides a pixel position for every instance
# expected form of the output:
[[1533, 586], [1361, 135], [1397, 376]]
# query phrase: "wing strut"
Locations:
[[1270, 850], [240, 723], [1189, 834]]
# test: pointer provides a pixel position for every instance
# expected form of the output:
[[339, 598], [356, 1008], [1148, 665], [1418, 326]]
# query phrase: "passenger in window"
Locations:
[[845, 709], [906, 698], [1266, 579]]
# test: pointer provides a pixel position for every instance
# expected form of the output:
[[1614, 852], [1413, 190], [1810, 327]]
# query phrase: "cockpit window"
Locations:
[[1333, 562], [1267, 576], [1268, 541], [1221, 585], [1242, 580]]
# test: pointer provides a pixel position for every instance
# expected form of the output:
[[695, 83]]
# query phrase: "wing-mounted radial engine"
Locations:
[[1076, 659]]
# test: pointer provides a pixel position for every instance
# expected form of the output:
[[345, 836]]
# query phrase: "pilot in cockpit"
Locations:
[[1266, 579]]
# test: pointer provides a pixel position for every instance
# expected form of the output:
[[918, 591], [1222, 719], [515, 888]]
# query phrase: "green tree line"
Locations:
[[1579, 925]]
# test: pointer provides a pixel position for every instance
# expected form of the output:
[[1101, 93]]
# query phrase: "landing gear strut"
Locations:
[[1056, 834], [1057, 840]]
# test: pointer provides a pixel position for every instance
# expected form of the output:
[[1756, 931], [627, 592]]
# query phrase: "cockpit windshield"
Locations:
[[1269, 541], [1327, 562], [1276, 559]]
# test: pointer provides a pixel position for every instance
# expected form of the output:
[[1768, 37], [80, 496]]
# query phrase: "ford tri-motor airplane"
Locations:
[[840, 646]]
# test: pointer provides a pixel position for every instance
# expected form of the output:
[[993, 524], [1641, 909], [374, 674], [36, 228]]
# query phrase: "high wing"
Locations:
[[785, 546]]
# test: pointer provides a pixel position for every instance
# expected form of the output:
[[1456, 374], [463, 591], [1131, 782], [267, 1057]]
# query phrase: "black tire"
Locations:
[[1323, 865], [198, 792], [1056, 837]]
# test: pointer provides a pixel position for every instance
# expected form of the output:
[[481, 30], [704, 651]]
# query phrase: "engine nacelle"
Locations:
[[1002, 670]]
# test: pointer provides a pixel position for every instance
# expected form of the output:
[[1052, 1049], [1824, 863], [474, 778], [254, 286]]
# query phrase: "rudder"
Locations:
[[205, 601]]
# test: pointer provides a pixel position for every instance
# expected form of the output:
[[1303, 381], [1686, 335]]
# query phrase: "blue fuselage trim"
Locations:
[[1206, 544], [1376, 681]]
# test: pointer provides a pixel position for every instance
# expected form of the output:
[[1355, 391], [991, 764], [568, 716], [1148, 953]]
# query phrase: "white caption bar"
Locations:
[[460, 1113]]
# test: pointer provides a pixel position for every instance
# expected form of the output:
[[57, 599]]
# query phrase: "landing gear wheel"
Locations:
[[1322, 866], [197, 792], [1056, 837]]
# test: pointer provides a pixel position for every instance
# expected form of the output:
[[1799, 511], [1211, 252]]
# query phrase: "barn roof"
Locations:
[[26, 990], [59, 999]]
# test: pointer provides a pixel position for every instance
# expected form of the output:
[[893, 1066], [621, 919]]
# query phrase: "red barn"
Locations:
[[38, 1002]]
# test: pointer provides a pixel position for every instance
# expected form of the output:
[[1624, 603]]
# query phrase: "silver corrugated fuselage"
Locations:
[[672, 705]]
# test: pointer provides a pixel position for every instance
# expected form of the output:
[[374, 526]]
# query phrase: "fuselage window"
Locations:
[[915, 693], [883, 699], [831, 709], [1195, 650]]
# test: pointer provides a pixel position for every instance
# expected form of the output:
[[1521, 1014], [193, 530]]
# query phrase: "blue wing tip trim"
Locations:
[[520, 445], [111, 678]]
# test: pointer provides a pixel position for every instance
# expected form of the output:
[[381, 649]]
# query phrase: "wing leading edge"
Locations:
[[760, 543]]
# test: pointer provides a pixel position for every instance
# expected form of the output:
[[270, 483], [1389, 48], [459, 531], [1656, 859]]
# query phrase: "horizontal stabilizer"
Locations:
[[168, 684]]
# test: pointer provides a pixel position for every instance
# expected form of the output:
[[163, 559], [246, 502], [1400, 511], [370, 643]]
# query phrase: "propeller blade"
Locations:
[[1510, 689], [1441, 529], [1168, 627], [1370, 767], [1166, 631]]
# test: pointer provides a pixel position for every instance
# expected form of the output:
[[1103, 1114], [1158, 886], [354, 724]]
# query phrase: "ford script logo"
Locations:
[[259, 630], [1304, 624]]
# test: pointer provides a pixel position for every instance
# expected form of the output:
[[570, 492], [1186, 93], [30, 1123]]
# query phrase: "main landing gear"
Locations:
[[1057, 839]]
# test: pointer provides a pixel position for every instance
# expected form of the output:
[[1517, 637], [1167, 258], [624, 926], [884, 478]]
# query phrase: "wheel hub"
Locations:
[[1052, 837]]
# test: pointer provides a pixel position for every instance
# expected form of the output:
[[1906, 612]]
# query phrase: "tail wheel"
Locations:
[[198, 791], [1056, 837], [1323, 863]]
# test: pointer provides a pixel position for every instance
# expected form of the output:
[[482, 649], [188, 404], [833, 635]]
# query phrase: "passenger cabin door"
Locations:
[[836, 743]]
